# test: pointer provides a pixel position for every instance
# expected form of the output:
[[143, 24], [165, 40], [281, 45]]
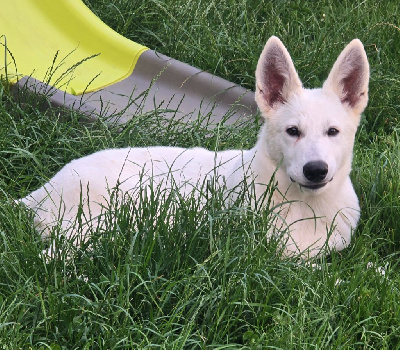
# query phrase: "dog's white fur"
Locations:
[[301, 127]]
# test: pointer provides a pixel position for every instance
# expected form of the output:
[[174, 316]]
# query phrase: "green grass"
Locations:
[[207, 278]]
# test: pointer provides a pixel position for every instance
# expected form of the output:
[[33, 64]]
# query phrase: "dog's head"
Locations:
[[311, 132]]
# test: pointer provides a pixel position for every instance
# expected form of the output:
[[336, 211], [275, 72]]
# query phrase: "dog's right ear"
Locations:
[[276, 77]]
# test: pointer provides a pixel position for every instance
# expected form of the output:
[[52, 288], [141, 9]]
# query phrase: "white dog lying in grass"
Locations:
[[305, 145]]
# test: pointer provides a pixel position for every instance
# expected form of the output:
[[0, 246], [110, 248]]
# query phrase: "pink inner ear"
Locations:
[[273, 80], [352, 86], [275, 83]]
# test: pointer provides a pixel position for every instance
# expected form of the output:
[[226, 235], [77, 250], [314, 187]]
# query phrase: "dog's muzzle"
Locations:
[[315, 172]]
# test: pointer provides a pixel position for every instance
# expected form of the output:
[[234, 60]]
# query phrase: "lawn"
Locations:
[[207, 278]]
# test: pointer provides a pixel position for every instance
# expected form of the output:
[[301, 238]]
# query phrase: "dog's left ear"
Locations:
[[349, 77]]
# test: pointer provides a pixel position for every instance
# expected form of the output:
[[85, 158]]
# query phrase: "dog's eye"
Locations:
[[333, 132], [293, 131]]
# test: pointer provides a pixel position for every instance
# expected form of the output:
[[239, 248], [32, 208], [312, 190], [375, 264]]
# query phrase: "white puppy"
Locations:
[[306, 144]]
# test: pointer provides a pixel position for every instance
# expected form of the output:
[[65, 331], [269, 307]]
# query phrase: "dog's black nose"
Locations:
[[315, 171]]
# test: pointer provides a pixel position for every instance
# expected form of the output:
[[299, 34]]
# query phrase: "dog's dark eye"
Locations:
[[333, 132], [293, 131]]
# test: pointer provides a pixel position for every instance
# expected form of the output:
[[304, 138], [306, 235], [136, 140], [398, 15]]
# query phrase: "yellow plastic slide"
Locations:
[[62, 43], [60, 49]]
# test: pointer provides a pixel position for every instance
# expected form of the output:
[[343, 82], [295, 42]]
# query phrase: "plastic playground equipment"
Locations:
[[62, 50]]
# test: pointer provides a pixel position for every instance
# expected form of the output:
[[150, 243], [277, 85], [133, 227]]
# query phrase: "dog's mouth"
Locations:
[[312, 186]]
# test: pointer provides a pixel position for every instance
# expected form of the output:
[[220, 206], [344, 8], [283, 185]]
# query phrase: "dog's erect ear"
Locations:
[[276, 77], [349, 77]]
